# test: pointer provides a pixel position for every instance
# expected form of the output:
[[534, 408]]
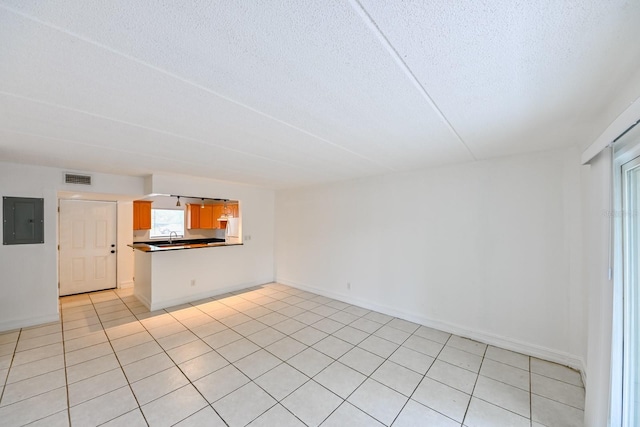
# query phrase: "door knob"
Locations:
[[113, 252], [113, 246]]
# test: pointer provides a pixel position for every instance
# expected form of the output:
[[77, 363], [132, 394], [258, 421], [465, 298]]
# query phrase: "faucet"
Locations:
[[171, 234]]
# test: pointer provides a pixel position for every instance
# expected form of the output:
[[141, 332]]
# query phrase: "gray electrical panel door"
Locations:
[[23, 220]]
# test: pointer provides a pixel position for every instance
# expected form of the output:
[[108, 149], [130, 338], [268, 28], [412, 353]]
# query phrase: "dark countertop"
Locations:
[[164, 245]]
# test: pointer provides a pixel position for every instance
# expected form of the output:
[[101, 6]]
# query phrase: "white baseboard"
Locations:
[[126, 284], [506, 343], [142, 299], [29, 321], [583, 372], [157, 305]]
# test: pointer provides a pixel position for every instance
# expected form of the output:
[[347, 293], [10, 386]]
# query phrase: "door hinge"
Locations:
[[58, 247]]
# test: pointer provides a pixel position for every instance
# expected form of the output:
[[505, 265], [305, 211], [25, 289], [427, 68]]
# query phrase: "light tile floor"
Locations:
[[267, 356]]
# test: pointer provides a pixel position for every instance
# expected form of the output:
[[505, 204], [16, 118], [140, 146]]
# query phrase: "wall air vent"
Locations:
[[74, 178]]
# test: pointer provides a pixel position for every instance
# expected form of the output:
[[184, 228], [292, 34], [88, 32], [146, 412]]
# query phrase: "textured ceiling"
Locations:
[[284, 94]]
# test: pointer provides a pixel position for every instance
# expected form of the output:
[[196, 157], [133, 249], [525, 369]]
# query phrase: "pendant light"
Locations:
[[178, 202], [202, 206]]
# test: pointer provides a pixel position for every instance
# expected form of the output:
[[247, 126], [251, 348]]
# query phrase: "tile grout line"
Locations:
[[425, 376], [290, 335], [484, 354], [93, 304], [263, 348], [167, 354], [436, 358], [35, 376], [278, 402], [64, 361], [530, 393], [363, 349], [13, 356], [178, 367], [557, 379], [122, 367], [119, 364], [374, 371]]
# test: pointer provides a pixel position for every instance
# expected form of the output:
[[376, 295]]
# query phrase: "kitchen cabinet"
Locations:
[[199, 217], [207, 218], [218, 212], [142, 215], [193, 216], [232, 212]]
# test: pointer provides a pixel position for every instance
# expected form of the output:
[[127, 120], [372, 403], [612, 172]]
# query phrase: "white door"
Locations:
[[87, 246]]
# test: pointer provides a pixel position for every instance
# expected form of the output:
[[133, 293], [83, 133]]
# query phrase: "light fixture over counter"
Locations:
[[202, 200]]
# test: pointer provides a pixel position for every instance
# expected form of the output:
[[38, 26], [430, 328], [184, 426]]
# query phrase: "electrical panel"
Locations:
[[22, 220]]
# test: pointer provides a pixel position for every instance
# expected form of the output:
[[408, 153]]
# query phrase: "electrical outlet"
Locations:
[[349, 285], [193, 282], [247, 237]]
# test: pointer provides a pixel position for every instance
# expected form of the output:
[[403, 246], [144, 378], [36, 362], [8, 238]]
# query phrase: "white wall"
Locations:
[[125, 237], [257, 212], [29, 284], [167, 202], [169, 278], [596, 206], [490, 250]]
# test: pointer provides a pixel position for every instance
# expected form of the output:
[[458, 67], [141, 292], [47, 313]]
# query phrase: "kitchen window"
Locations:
[[165, 221]]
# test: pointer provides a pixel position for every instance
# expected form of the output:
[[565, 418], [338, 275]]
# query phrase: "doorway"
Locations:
[[87, 251]]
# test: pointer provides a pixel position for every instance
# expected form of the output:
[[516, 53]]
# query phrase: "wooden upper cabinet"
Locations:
[[217, 213], [232, 212], [207, 219], [193, 216], [142, 215]]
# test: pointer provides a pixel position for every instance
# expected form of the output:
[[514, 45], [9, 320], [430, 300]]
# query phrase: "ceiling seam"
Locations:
[[85, 144], [312, 175], [194, 84], [147, 128], [119, 150], [369, 21]]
